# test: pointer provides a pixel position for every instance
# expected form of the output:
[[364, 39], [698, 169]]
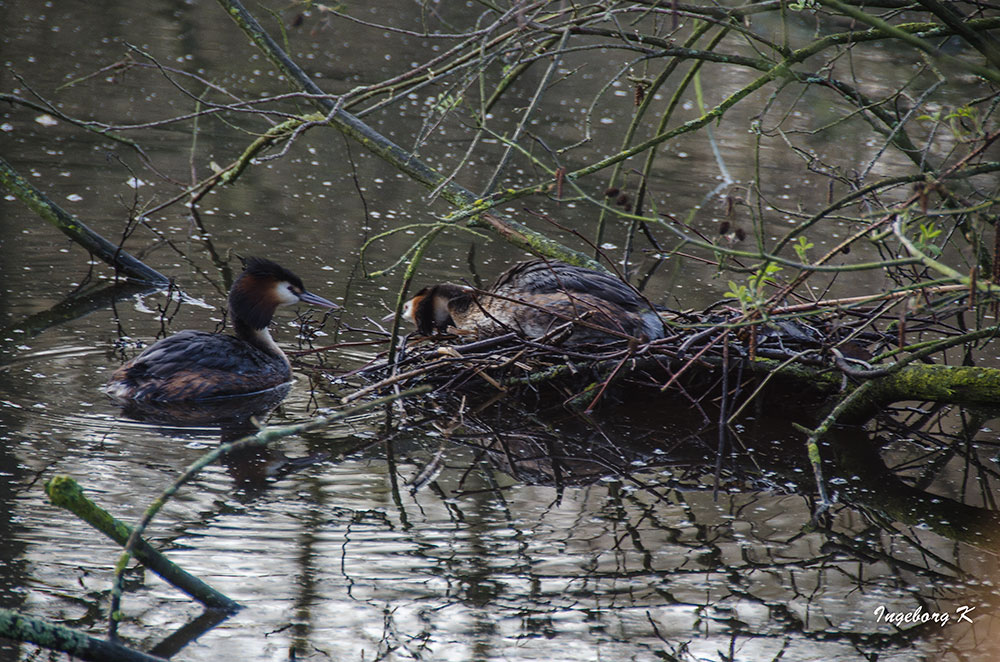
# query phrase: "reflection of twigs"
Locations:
[[67, 493], [944, 383], [74, 306], [917, 106], [261, 438]]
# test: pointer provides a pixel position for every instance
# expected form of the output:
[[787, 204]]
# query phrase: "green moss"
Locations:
[[66, 493], [24, 628]]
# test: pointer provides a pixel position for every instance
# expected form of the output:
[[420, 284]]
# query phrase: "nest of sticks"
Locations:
[[700, 354]]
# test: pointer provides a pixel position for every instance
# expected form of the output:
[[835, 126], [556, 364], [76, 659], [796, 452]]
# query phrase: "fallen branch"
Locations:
[[67, 493], [17, 626], [964, 385], [75, 229]]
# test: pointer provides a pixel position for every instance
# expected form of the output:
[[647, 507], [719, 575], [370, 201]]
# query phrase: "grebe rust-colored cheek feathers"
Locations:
[[433, 306], [430, 309], [253, 300], [428, 312], [256, 295], [406, 314], [194, 365]]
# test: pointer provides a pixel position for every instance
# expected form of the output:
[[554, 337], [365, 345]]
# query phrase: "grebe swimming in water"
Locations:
[[534, 298], [194, 365]]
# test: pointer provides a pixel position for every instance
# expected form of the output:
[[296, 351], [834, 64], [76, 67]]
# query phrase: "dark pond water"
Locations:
[[541, 536]]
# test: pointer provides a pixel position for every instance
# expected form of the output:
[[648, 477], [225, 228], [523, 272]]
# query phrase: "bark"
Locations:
[[75, 229], [17, 626], [67, 493]]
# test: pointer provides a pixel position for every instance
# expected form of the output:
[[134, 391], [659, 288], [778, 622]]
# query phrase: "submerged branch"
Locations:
[[67, 493], [19, 627]]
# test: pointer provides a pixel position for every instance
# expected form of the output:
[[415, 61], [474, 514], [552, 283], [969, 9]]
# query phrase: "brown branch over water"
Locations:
[[517, 233], [75, 229], [965, 385]]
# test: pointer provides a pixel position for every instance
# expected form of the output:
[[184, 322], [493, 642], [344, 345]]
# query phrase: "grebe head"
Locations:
[[261, 288], [430, 309]]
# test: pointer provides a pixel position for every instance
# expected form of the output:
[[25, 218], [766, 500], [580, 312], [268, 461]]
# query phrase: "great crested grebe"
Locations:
[[195, 365], [535, 298]]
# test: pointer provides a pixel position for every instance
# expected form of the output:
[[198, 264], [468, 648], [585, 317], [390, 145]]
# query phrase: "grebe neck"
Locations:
[[259, 338]]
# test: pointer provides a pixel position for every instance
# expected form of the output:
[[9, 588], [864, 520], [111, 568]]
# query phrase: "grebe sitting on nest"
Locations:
[[194, 365], [535, 298]]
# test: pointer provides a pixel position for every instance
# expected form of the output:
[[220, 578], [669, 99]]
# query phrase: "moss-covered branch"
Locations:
[[17, 626], [75, 229], [917, 42], [67, 493], [961, 385]]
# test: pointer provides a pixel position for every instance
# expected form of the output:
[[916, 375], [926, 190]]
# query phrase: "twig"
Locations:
[[261, 438], [406, 162], [67, 493], [75, 229], [543, 85]]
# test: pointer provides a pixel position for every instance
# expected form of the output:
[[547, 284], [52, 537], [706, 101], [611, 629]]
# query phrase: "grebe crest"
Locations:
[[194, 365]]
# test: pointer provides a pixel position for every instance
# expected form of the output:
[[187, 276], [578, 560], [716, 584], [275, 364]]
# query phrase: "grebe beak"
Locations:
[[316, 300]]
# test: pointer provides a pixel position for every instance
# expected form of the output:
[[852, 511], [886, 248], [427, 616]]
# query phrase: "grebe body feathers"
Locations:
[[534, 298]]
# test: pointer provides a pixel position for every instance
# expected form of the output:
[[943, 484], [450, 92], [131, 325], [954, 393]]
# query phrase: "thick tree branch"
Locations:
[[75, 229]]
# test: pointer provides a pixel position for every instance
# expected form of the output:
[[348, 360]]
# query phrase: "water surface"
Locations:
[[541, 536]]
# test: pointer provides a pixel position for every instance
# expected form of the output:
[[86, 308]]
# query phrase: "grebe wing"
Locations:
[[198, 349], [192, 365], [549, 276]]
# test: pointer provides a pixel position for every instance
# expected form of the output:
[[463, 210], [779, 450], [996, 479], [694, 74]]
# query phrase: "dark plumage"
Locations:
[[194, 365]]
